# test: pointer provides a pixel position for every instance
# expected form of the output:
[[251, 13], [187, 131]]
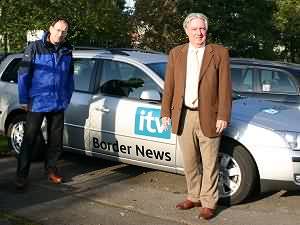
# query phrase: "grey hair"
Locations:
[[192, 16]]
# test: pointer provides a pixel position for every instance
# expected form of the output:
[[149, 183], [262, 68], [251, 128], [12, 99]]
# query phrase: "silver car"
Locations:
[[268, 80], [115, 114]]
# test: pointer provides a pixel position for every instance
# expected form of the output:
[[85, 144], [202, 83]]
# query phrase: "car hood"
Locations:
[[266, 114]]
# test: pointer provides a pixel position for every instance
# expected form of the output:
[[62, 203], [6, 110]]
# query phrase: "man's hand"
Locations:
[[220, 126], [24, 107], [166, 121]]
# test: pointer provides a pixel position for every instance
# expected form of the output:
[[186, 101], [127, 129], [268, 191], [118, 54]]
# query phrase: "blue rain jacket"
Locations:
[[45, 77]]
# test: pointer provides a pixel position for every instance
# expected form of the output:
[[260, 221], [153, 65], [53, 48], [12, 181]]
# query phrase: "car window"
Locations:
[[10, 74], [123, 79], [242, 79], [158, 68], [276, 82], [83, 70]]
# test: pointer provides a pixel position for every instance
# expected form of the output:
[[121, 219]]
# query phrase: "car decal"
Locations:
[[271, 111], [136, 150], [148, 123]]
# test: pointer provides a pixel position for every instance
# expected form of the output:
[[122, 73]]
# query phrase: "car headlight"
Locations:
[[293, 140]]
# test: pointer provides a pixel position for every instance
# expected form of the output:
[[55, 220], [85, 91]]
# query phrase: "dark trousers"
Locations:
[[55, 125]]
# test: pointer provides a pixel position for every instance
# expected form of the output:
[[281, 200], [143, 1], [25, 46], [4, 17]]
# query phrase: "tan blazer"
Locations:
[[215, 91]]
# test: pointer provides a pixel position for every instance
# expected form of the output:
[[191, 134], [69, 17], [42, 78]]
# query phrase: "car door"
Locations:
[[76, 132], [8, 89], [8, 84], [122, 125]]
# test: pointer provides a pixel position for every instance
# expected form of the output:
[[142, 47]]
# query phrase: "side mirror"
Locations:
[[236, 95], [152, 95]]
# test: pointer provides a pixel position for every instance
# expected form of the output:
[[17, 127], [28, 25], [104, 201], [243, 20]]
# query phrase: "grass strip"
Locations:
[[11, 219], [4, 150]]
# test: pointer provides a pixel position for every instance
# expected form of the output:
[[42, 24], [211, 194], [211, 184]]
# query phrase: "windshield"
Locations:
[[158, 68]]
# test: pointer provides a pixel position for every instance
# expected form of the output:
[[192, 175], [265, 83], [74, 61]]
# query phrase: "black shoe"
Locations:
[[21, 183]]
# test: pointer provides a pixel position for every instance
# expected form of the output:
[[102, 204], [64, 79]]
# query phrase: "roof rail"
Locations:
[[110, 50], [88, 48], [119, 51], [134, 50]]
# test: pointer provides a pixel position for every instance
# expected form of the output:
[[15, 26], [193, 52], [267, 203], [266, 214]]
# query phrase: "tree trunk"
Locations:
[[5, 44]]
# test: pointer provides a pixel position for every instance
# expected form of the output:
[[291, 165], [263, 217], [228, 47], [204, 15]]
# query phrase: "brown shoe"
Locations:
[[21, 183], [187, 204], [206, 213], [54, 177]]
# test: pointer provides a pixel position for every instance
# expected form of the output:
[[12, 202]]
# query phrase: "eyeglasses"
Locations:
[[63, 32]]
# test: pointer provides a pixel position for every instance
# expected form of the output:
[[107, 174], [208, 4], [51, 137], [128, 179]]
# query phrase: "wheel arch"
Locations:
[[11, 116], [230, 141]]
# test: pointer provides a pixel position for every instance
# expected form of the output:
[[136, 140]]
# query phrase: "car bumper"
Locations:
[[277, 163], [275, 185], [296, 166]]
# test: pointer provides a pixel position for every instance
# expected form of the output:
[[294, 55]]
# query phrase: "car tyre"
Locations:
[[238, 174], [15, 137]]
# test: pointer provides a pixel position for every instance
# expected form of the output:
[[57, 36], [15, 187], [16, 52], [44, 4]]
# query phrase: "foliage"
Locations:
[[94, 22], [99, 23], [10, 26], [10, 218], [3, 146], [235, 24], [250, 28], [159, 24], [287, 18], [232, 23], [247, 27]]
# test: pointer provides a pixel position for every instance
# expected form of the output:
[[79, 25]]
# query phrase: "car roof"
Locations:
[[140, 55], [4, 55], [260, 62], [150, 56]]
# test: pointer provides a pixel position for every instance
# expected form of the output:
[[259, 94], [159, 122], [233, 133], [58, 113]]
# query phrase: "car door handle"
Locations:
[[102, 109]]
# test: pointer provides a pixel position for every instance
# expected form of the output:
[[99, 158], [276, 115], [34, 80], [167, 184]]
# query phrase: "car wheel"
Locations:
[[238, 174], [15, 138]]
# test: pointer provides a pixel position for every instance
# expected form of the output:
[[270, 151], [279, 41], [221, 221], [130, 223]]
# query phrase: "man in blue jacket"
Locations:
[[46, 84]]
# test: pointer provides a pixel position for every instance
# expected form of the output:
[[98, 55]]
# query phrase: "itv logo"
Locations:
[[148, 123]]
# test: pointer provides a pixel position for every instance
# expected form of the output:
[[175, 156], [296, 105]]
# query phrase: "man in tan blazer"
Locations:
[[197, 103]]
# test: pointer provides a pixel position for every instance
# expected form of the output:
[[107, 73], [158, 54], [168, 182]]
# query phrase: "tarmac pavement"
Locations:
[[99, 192]]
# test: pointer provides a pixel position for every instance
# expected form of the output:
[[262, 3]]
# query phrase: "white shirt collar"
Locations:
[[192, 48]]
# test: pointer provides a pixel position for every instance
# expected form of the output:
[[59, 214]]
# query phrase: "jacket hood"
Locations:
[[266, 114]]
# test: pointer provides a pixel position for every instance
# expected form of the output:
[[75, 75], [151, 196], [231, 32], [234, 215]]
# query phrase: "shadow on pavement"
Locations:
[[83, 175]]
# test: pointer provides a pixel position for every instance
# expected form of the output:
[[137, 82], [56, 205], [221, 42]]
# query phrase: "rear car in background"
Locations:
[[275, 81], [115, 114]]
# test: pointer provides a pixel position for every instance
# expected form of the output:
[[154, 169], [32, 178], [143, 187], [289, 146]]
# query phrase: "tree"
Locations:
[[158, 24], [244, 26], [16, 19], [100, 23], [287, 19], [97, 23]]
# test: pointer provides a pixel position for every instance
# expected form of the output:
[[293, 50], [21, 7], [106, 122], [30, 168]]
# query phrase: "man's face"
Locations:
[[58, 32], [196, 31]]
